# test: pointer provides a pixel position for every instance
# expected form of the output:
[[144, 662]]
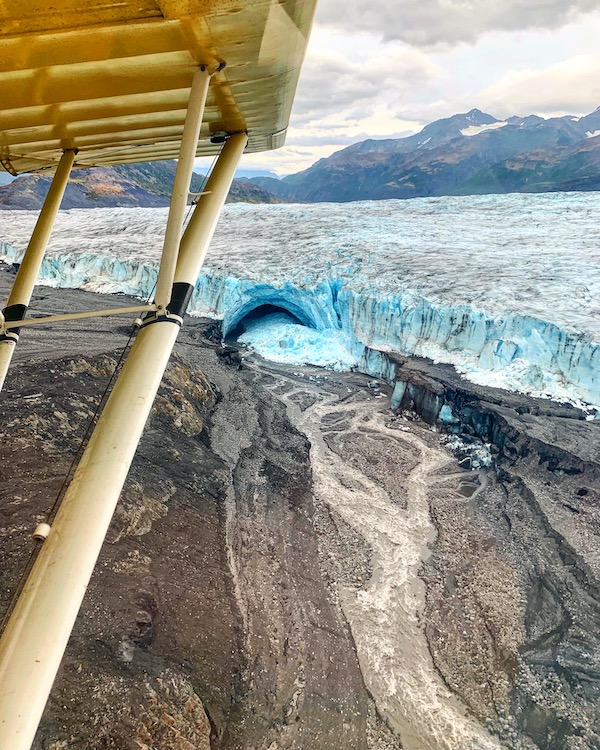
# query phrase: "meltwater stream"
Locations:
[[384, 497]]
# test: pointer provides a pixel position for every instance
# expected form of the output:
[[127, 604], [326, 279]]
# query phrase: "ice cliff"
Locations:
[[504, 287], [518, 352]]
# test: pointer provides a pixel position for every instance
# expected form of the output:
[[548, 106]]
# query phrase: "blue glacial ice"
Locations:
[[279, 338], [506, 288]]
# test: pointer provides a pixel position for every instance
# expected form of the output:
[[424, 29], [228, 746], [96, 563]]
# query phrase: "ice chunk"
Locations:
[[446, 415], [278, 338]]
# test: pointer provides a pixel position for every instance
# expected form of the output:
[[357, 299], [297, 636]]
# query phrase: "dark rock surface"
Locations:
[[292, 565], [537, 526]]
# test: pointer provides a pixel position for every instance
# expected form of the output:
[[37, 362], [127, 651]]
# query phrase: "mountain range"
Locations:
[[466, 154], [145, 184]]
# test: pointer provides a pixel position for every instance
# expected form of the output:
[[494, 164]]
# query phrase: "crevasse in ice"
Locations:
[[504, 287]]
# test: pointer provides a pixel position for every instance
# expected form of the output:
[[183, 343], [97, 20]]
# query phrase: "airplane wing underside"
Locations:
[[112, 78]]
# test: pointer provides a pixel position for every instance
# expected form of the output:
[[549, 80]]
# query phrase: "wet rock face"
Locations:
[[537, 527]]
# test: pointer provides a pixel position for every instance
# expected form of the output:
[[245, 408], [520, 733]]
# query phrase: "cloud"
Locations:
[[340, 139], [431, 22], [333, 82], [524, 56], [569, 87], [285, 160]]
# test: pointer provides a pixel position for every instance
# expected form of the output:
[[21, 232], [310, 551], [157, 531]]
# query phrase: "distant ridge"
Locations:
[[467, 154], [146, 185]]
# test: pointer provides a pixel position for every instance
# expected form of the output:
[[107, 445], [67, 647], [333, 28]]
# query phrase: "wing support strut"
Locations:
[[22, 290], [20, 295], [181, 186], [6, 326], [36, 635]]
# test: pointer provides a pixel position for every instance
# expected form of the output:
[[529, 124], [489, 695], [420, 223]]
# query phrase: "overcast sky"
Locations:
[[385, 68]]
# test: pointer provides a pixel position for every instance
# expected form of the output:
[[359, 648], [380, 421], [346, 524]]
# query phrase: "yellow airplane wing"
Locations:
[[112, 78]]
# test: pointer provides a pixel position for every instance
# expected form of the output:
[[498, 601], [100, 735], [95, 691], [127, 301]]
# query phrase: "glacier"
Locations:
[[505, 288]]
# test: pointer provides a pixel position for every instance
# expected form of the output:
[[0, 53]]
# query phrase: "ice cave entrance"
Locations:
[[257, 316], [281, 336]]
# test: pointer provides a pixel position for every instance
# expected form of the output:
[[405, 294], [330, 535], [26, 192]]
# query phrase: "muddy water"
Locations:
[[376, 473]]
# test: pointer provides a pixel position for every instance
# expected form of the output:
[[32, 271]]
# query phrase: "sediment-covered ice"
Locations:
[[507, 288]]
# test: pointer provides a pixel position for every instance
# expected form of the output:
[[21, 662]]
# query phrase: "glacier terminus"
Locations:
[[504, 287]]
